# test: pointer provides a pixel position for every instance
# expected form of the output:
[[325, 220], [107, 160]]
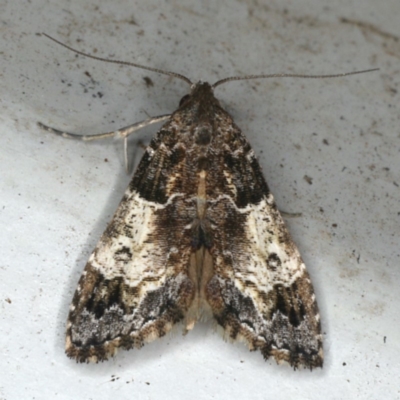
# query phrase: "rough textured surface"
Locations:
[[197, 231]]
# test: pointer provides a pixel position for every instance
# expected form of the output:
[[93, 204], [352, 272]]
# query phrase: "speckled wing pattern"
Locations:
[[197, 232]]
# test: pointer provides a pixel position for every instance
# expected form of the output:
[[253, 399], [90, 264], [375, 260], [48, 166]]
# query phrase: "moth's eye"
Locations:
[[184, 99]]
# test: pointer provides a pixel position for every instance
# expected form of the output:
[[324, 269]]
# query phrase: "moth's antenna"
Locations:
[[160, 71], [241, 78]]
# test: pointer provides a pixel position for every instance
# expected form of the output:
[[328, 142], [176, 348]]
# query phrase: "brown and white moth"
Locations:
[[196, 233]]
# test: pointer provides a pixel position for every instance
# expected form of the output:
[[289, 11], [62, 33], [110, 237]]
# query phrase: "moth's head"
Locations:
[[200, 92]]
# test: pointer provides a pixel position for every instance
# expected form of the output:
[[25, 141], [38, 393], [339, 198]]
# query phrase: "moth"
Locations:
[[197, 233]]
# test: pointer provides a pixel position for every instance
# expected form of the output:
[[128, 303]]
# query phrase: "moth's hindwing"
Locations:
[[197, 231]]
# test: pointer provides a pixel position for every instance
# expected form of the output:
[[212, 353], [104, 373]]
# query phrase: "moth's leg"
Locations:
[[123, 132], [286, 214]]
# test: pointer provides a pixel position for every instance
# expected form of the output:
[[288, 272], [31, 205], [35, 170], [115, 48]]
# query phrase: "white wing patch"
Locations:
[[129, 252]]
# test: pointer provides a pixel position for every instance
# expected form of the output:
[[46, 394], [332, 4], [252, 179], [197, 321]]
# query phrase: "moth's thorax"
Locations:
[[200, 103]]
